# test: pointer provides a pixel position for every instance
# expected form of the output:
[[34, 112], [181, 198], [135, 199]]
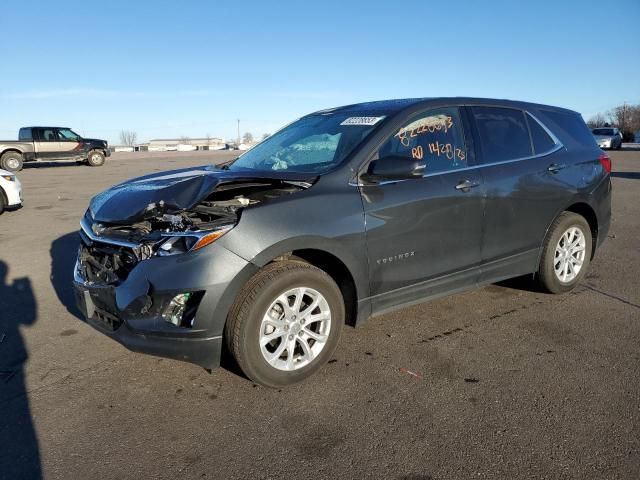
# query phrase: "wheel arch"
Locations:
[[338, 271], [12, 149], [342, 267], [4, 196], [99, 149], [587, 212]]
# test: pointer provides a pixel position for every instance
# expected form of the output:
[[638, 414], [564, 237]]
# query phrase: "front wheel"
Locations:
[[566, 253], [285, 324], [95, 158]]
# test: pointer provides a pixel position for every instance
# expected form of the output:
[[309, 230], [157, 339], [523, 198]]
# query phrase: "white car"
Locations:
[[10, 190]]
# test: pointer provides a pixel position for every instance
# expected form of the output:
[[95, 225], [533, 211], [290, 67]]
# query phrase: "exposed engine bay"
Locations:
[[109, 252]]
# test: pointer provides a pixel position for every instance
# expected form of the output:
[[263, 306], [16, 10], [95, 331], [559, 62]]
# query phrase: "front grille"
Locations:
[[104, 264]]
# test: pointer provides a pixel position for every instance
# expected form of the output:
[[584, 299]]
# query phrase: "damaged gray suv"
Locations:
[[344, 214]]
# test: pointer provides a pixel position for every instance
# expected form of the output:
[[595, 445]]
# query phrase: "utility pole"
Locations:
[[238, 142]]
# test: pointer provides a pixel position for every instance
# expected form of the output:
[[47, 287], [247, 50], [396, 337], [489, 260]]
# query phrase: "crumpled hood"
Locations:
[[604, 137], [171, 192]]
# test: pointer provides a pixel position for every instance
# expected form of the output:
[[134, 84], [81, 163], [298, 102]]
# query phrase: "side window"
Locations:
[[542, 142], [47, 135], [569, 128], [435, 137], [503, 133], [67, 135]]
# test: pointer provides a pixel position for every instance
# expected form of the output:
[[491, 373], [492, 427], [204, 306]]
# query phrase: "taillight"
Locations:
[[605, 161]]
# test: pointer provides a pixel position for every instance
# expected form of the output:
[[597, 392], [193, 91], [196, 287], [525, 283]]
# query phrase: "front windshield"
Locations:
[[313, 144], [603, 131]]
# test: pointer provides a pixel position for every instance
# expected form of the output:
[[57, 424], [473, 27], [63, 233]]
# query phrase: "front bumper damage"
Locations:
[[130, 310], [150, 272]]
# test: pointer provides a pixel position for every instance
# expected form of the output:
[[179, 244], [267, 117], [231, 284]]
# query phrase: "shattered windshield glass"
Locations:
[[313, 144]]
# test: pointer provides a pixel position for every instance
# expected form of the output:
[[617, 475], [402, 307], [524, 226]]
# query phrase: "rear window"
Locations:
[[503, 133], [603, 131], [569, 128], [542, 142], [24, 135]]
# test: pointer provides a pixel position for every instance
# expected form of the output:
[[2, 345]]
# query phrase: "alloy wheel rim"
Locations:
[[12, 163], [95, 158], [295, 329], [569, 255]]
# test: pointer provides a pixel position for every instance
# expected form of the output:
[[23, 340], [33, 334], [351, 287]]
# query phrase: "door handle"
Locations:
[[555, 167], [466, 185]]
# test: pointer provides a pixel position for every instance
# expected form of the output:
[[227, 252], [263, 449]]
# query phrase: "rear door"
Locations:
[[70, 144], [46, 143], [424, 234], [524, 185]]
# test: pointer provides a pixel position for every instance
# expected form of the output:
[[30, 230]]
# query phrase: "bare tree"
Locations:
[[128, 138], [598, 120], [265, 136], [247, 137], [627, 119], [185, 140], [208, 138]]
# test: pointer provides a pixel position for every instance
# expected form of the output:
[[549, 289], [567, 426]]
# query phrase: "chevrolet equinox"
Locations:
[[344, 214]]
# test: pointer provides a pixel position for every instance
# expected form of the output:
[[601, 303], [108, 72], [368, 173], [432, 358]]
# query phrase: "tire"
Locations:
[[11, 161], [2, 202], [95, 158], [557, 270], [260, 301]]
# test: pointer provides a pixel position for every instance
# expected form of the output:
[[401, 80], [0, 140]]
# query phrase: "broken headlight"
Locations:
[[183, 242]]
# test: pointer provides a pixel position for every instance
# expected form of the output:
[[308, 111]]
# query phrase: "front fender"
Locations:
[[332, 222]]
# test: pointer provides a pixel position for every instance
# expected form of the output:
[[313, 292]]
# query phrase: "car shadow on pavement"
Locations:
[[526, 283], [63, 253], [629, 175], [19, 452], [39, 164]]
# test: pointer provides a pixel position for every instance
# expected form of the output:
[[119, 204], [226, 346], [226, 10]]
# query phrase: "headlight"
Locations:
[[11, 178], [177, 243]]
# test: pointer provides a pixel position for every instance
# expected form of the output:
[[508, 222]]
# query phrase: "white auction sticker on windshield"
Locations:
[[361, 120]]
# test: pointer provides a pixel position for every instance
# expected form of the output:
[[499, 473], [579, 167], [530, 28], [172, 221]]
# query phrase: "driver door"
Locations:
[[70, 145], [424, 234]]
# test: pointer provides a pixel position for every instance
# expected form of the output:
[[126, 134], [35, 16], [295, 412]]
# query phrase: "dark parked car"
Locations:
[[346, 213]]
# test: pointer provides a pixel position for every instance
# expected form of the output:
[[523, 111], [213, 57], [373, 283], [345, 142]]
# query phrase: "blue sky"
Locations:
[[193, 67]]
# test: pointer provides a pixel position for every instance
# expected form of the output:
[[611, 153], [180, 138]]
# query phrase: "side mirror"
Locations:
[[395, 167]]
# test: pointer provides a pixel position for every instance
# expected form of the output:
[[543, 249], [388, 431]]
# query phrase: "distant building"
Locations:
[[212, 143]]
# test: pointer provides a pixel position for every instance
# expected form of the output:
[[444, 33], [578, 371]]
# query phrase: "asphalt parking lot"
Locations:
[[502, 382]]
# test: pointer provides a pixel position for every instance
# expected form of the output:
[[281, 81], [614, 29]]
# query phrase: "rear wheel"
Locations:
[[95, 158], [2, 202], [285, 324], [11, 161], [567, 253]]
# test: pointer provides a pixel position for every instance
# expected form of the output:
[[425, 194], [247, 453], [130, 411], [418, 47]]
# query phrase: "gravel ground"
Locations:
[[501, 382]]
